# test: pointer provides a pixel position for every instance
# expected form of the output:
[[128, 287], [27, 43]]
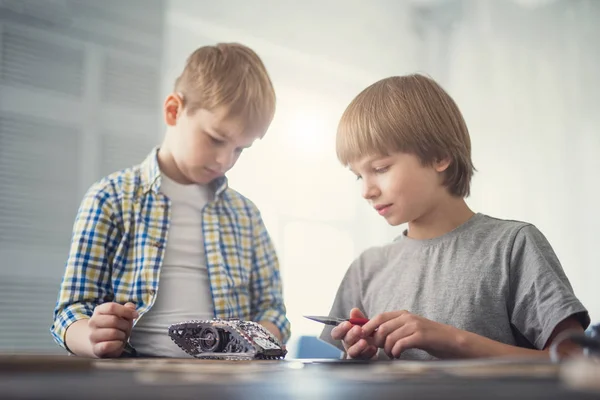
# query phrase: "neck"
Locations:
[[445, 217], [168, 166]]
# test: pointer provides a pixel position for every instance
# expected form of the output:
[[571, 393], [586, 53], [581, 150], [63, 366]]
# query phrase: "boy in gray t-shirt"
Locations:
[[456, 284]]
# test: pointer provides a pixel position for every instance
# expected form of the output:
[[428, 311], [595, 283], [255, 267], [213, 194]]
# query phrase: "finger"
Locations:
[[340, 331], [386, 329], [353, 336], [395, 336], [370, 352], [109, 321], [108, 349], [356, 350], [409, 342], [128, 327], [101, 322], [130, 305], [107, 335], [380, 319], [361, 350], [116, 309], [356, 313]]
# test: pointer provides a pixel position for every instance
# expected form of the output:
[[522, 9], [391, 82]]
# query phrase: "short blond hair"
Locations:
[[411, 114], [230, 75]]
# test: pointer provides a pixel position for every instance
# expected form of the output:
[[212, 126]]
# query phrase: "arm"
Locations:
[[105, 333], [471, 345], [540, 304], [398, 331], [541, 297], [348, 302], [77, 338], [355, 344], [267, 306], [86, 280], [271, 327]]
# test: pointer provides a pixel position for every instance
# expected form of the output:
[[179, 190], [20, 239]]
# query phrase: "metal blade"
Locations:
[[324, 320]]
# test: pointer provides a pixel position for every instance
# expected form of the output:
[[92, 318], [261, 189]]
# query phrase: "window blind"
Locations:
[[79, 87]]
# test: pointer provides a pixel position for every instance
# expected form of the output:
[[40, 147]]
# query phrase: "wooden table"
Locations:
[[50, 377]]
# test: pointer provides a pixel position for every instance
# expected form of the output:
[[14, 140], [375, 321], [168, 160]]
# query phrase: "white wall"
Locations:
[[525, 77], [528, 83]]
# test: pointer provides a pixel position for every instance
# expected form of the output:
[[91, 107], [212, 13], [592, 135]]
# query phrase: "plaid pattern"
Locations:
[[118, 243]]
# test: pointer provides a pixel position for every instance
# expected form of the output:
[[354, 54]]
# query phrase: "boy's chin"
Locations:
[[201, 178], [393, 220]]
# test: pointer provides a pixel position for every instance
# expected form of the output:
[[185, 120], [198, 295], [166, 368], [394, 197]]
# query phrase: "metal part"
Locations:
[[222, 339], [336, 321], [325, 320]]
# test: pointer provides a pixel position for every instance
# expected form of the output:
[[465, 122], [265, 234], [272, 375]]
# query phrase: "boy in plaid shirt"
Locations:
[[173, 219]]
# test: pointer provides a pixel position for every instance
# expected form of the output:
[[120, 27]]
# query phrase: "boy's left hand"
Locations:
[[398, 331]]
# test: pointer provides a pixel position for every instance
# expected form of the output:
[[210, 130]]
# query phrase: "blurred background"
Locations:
[[82, 84]]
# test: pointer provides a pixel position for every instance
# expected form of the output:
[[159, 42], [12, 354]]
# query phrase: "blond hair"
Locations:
[[230, 75], [411, 114]]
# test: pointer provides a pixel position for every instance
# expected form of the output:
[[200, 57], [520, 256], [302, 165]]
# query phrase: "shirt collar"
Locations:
[[151, 176]]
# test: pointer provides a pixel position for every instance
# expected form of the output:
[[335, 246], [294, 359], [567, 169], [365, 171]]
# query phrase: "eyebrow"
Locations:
[[369, 161], [225, 137]]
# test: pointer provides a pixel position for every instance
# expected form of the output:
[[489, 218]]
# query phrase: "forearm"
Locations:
[[77, 339], [471, 345], [270, 313], [273, 329], [267, 305], [274, 319]]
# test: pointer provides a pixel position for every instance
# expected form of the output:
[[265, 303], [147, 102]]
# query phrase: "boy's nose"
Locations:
[[224, 161], [370, 191]]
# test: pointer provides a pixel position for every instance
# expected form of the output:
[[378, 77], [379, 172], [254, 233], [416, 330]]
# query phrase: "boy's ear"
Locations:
[[172, 108], [442, 165]]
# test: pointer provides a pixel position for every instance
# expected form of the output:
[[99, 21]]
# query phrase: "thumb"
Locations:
[[131, 306], [356, 313]]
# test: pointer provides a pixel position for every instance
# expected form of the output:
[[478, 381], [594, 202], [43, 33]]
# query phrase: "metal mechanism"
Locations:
[[232, 339]]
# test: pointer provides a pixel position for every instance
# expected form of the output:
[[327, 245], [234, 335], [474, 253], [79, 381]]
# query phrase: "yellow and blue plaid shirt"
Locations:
[[119, 239]]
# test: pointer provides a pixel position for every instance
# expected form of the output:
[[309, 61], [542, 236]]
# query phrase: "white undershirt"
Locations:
[[184, 286]]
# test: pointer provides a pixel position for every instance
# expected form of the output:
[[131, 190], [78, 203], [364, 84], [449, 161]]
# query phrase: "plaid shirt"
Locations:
[[118, 244]]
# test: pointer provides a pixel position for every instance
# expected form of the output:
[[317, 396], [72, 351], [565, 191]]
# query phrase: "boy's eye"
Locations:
[[216, 141], [381, 170]]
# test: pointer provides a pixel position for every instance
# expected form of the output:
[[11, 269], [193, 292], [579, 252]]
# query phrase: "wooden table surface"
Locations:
[[63, 377]]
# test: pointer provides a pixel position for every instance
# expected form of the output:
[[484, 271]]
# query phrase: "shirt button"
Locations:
[[152, 292]]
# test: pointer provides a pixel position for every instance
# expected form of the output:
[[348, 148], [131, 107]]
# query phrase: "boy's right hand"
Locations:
[[110, 327], [352, 338]]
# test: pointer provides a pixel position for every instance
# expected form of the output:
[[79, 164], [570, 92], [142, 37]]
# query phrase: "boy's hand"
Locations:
[[110, 327], [357, 344], [271, 327], [397, 331]]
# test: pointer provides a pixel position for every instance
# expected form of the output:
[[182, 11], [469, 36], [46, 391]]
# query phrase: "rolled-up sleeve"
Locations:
[[87, 275], [267, 289]]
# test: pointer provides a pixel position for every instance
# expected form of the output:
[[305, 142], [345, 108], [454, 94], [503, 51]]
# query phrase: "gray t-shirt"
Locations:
[[496, 278]]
